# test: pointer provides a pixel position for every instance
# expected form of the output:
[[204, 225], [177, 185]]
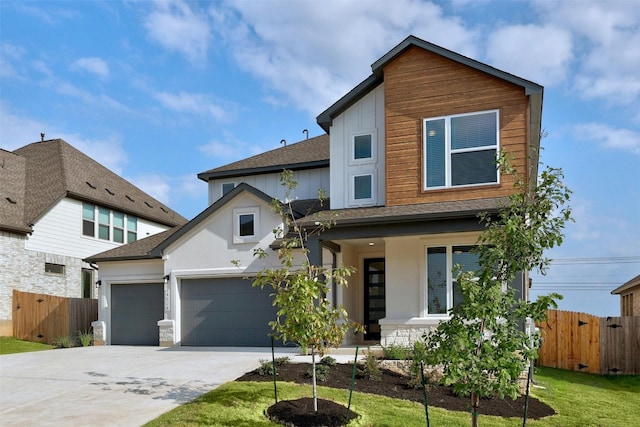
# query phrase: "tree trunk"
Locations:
[[315, 388], [475, 404]]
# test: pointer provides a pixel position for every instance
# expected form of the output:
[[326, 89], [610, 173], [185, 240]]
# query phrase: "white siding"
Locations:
[[365, 116], [309, 182], [59, 231]]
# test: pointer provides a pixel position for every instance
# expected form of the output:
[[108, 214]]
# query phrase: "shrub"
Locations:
[[266, 366], [396, 352], [370, 369], [64, 342], [85, 338], [328, 361], [322, 372]]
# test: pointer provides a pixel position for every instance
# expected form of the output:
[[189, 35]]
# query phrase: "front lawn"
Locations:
[[579, 400], [9, 345]]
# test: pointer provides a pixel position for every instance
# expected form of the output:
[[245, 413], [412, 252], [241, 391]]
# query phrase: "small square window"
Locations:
[[362, 147], [227, 187], [247, 225], [362, 187]]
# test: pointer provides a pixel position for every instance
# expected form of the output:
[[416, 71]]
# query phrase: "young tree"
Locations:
[[482, 348], [305, 315]]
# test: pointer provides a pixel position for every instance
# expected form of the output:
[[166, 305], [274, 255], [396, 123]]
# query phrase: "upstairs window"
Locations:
[[118, 227], [104, 223], [227, 186], [88, 220], [110, 225], [363, 147], [132, 229], [443, 292], [461, 150], [246, 225]]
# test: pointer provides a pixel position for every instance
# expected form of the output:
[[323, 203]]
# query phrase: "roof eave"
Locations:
[[121, 258], [325, 119], [208, 176]]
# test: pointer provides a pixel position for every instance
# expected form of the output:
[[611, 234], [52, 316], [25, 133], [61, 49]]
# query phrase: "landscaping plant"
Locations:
[[305, 315], [483, 348]]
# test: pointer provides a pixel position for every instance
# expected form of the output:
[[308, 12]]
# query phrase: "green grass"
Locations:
[[10, 345], [580, 400]]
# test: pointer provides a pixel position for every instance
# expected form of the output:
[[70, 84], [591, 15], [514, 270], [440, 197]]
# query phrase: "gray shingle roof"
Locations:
[[140, 249], [307, 154], [54, 169], [418, 212]]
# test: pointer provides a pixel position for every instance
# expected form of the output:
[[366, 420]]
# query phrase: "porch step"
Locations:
[[350, 350]]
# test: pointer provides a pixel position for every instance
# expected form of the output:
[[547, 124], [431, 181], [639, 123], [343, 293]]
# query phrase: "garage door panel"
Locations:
[[135, 311], [225, 312]]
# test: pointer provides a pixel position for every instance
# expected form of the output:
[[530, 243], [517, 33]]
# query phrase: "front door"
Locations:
[[374, 296]]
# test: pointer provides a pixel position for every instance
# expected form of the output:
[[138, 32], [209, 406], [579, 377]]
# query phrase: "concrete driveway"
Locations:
[[114, 385]]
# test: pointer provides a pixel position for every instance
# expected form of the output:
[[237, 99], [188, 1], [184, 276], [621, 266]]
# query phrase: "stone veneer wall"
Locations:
[[23, 270], [402, 334]]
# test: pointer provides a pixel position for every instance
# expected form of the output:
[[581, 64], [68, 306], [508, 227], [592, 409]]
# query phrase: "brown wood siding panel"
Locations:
[[419, 85]]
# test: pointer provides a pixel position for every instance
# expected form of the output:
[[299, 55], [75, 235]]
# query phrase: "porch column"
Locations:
[[315, 251]]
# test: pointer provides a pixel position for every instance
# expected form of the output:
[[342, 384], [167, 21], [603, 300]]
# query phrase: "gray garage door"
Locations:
[[225, 312], [135, 311]]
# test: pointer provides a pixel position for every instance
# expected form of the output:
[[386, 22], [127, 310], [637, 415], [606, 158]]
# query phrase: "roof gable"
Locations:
[[307, 154], [325, 118], [55, 169], [202, 216], [627, 286]]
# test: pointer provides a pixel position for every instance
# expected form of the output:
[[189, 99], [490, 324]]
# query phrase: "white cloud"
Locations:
[[93, 65], [608, 46], [194, 103], [314, 52], [230, 149], [48, 15], [177, 28], [539, 53], [157, 186], [19, 130], [10, 54], [609, 137]]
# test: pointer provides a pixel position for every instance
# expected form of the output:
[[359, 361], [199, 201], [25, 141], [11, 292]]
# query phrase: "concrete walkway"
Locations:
[[115, 385]]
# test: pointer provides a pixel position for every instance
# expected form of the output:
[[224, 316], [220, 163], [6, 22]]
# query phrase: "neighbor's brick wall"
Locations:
[[24, 270]]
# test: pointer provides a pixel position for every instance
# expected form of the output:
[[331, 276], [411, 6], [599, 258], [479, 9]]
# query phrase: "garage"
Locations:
[[135, 311], [225, 312]]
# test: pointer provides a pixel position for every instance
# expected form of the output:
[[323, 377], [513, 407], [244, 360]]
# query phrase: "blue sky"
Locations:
[[160, 91]]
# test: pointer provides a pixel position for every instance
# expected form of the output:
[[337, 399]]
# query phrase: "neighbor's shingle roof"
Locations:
[[54, 169], [12, 182], [140, 249], [627, 285], [307, 154]]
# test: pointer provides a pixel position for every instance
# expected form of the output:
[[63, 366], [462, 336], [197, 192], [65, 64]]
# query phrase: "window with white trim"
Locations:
[[443, 292], [110, 225], [363, 148], [461, 150], [362, 189], [246, 225]]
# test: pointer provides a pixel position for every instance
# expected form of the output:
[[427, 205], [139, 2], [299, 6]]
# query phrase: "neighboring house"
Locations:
[[58, 206], [629, 297], [408, 161]]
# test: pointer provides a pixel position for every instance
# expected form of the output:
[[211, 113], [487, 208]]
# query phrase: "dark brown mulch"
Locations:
[[300, 413], [395, 385]]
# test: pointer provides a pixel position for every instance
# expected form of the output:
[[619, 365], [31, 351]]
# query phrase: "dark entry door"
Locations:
[[374, 296]]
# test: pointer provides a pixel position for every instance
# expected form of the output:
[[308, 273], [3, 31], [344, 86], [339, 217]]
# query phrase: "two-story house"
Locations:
[[58, 206], [408, 160]]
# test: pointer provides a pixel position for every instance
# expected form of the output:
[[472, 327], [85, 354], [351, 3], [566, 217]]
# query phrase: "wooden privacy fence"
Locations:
[[586, 343], [45, 318]]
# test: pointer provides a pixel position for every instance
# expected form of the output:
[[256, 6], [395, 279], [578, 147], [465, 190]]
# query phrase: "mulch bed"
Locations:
[[395, 385]]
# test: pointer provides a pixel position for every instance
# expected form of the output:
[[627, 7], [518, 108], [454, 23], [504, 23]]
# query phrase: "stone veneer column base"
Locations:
[[99, 332], [166, 330]]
